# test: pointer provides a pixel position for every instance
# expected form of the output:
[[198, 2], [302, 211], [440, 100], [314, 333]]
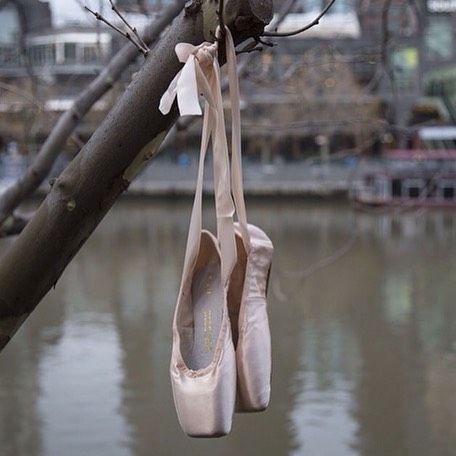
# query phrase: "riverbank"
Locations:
[[164, 178], [284, 179]]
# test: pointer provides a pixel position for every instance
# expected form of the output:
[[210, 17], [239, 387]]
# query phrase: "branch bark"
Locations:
[[68, 121], [90, 185]]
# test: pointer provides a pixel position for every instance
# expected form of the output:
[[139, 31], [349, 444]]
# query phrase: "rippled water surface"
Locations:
[[363, 316]]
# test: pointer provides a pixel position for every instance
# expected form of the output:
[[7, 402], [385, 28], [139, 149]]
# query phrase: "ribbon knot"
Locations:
[[184, 86]]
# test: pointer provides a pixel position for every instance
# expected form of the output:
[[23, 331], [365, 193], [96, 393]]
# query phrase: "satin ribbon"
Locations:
[[201, 74], [185, 83]]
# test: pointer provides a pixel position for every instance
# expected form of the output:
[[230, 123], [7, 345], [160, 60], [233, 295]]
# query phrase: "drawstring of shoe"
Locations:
[[201, 75]]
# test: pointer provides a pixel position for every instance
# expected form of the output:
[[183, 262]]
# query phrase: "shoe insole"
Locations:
[[207, 304]]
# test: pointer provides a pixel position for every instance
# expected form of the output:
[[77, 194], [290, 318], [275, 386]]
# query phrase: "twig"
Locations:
[[117, 29], [82, 6], [282, 14], [221, 21], [303, 29], [134, 30], [251, 47], [265, 43]]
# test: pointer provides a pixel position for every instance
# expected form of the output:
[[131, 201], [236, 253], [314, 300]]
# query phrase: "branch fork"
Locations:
[[131, 34]]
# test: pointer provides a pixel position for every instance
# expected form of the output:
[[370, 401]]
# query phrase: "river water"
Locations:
[[363, 317]]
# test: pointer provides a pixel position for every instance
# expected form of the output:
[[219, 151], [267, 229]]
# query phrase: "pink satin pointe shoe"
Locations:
[[249, 279], [203, 366], [249, 320], [205, 369]]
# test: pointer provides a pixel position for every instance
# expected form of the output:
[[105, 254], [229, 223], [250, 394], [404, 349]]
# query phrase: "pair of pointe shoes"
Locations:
[[221, 356], [222, 347]]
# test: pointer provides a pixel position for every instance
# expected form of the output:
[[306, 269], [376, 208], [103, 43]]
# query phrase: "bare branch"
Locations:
[[282, 14], [315, 22], [68, 121], [249, 48], [132, 29], [126, 35]]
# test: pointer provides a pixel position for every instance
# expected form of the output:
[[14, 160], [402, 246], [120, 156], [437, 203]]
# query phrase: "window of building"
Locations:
[[70, 52], [90, 53], [9, 25], [448, 192], [438, 38], [414, 192], [414, 188], [42, 54], [396, 188], [448, 189]]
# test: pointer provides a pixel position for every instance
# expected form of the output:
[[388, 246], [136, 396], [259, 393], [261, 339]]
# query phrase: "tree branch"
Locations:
[[315, 22], [68, 121], [89, 186], [132, 29], [126, 35]]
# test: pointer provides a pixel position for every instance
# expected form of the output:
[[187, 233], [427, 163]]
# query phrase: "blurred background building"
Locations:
[[372, 76]]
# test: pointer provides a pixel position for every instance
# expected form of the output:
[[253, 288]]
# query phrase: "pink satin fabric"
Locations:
[[205, 398], [253, 350]]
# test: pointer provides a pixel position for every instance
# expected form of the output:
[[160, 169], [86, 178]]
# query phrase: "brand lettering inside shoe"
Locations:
[[207, 330], [208, 285]]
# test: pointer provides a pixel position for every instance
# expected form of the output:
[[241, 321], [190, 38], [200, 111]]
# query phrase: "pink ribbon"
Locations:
[[185, 84]]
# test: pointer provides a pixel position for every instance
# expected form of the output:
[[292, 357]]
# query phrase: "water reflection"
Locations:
[[364, 340]]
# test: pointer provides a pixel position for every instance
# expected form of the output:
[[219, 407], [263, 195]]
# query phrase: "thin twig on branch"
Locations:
[[134, 30], [315, 22], [125, 34]]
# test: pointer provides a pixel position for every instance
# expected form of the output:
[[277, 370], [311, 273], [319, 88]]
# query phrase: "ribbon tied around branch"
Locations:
[[198, 65]]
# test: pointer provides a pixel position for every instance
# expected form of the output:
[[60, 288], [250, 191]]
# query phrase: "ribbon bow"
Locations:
[[197, 60]]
